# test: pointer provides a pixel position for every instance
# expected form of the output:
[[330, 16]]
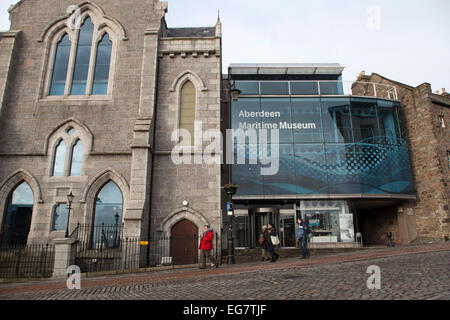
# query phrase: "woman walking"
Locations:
[[264, 242], [206, 246], [270, 245]]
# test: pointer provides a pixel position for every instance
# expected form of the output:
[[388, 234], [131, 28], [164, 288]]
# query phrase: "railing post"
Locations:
[[126, 253], [18, 261], [64, 256]]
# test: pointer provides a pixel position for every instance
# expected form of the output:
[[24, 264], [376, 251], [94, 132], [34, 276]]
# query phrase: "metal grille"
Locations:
[[30, 261]]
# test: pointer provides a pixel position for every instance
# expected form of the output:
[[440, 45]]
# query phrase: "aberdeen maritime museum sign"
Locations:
[[271, 121]]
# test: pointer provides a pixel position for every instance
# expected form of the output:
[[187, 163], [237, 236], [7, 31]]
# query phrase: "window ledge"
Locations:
[[76, 98]]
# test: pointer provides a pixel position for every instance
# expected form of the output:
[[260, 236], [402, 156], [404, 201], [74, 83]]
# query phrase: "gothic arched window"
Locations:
[[77, 159], [83, 57], [59, 159], [108, 214], [60, 67], [102, 66], [68, 154], [82, 60], [187, 109], [16, 225]]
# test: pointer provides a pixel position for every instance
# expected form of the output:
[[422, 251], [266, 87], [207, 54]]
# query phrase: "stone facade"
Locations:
[[429, 216], [126, 133]]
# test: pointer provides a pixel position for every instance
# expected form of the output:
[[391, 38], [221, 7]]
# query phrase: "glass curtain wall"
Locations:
[[327, 145]]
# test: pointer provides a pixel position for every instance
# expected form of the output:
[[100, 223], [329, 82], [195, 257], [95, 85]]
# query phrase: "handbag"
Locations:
[[275, 240]]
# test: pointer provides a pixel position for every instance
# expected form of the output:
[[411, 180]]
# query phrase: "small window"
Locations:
[[441, 121], [71, 131], [60, 218]]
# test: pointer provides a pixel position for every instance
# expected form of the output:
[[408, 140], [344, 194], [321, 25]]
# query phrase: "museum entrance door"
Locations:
[[260, 217]]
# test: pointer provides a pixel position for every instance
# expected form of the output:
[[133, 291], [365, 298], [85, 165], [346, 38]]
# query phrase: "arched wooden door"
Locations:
[[184, 243]]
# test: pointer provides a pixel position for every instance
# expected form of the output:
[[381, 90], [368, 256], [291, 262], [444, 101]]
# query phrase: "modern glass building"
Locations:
[[336, 155]]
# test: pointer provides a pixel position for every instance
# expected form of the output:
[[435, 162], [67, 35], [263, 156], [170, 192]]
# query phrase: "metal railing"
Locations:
[[317, 87], [104, 248], [27, 261]]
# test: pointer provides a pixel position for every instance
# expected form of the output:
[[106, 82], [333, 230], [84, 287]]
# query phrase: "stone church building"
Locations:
[[91, 93]]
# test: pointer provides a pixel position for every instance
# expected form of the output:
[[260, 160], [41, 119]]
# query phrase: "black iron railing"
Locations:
[[27, 261], [104, 248]]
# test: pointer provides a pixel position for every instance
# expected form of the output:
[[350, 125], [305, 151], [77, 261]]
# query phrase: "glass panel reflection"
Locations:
[[242, 232], [17, 221], [247, 87], [60, 67], [274, 88], [60, 159], [108, 211], [60, 216], [77, 159], [353, 147], [336, 120], [102, 66], [82, 58], [304, 88], [364, 120]]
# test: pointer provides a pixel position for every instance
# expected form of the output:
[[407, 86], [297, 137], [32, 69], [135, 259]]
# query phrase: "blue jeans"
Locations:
[[303, 244]]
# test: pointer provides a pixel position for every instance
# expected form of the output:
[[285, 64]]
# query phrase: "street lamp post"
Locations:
[[230, 190], [70, 197]]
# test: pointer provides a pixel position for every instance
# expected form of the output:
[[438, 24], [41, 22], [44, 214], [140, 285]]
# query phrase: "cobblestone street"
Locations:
[[408, 273]]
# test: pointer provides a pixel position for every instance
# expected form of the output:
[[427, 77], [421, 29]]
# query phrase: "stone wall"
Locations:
[[199, 61], [428, 146]]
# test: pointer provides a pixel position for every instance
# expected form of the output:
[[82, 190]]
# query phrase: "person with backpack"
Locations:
[[263, 241], [206, 245], [303, 232]]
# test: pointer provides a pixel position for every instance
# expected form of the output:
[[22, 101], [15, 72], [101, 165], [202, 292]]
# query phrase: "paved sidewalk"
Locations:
[[327, 277]]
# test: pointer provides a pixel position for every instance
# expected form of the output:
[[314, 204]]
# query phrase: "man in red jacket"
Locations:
[[206, 246]]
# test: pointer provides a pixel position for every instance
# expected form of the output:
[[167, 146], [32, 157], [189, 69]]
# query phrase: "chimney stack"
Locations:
[[362, 73], [443, 91], [437, 91]]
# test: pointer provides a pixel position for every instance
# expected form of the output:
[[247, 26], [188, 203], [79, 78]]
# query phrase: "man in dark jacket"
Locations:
[[302, 236], [206, 245], [270, 246]]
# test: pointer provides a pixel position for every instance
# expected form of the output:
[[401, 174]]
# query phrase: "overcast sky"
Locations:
[[405, 40]]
